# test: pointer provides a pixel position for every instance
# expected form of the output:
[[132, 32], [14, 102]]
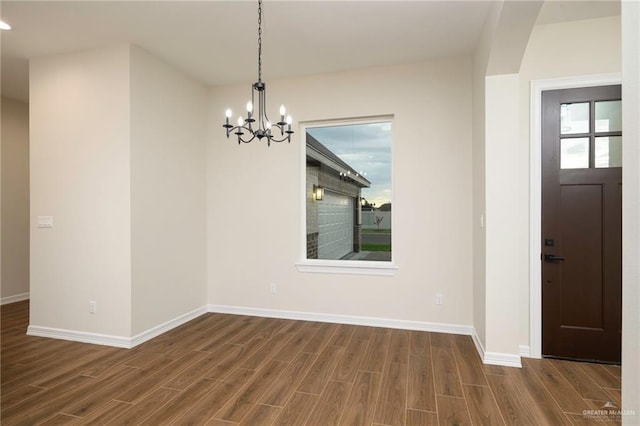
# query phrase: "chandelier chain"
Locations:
[[259, 40]]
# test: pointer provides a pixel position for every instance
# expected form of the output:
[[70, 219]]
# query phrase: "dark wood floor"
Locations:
[[225, 369]]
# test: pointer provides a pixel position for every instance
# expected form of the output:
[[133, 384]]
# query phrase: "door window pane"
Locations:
[[574, 118], [609, 116], [574, 153], [608, 151]]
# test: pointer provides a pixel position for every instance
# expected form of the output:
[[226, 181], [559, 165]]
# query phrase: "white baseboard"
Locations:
[[344, 319], [478, 343], [79, 336], [13, 299], [115, 341], [525, 351], [163, 328], [507, 360], [495, 358]]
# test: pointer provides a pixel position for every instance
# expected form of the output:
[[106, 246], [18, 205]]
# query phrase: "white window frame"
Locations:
[[355, 267]]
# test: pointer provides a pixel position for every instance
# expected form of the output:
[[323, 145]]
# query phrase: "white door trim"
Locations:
[[535, 192]]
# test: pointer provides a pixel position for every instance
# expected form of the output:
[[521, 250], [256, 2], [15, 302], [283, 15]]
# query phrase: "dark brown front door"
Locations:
[[582, 223]]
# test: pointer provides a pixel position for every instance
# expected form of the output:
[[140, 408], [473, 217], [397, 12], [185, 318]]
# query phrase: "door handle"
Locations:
[[552, 258]]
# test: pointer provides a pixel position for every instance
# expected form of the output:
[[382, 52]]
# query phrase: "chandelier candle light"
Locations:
[[264, 126]]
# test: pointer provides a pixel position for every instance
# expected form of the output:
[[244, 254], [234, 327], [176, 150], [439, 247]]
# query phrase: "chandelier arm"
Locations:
[[273, 139], [241, 139], [239, 132]]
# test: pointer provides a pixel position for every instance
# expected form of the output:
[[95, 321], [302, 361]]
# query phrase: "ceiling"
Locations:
[[216, 41]]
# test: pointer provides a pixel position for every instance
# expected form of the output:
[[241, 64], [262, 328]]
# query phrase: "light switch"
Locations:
[[45, 221]]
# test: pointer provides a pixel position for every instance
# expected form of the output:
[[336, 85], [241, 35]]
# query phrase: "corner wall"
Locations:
[[118, 143], [80, 175], [503, 242], [15, 201], [480, 62], [501, 47], [168, 198]]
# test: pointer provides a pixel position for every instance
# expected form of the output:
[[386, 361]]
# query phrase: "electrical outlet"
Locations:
[[273, 287], [439, 299], [92, 307]]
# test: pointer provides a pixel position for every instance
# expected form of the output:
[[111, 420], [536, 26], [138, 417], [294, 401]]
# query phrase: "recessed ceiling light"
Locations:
[[4, 26]]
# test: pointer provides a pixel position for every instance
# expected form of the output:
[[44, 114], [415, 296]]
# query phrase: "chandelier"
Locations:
[[263, 127]]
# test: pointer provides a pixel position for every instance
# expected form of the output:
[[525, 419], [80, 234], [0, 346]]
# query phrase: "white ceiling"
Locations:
[[216, 41]]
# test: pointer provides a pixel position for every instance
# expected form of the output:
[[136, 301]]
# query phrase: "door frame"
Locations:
[[535, 192]]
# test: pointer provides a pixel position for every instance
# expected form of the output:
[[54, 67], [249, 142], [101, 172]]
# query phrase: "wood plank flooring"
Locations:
[[228, 369]]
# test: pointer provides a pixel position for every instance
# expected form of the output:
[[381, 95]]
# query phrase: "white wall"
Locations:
[[14, 283], [480, 62], [496, 238], [118, 159], [168, 199], [631, 211], [502, 237], [432, 197], [80, 175], [555, 51]]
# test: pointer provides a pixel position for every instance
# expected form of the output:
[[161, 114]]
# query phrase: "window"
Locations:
[[591, 134], [348, 192]]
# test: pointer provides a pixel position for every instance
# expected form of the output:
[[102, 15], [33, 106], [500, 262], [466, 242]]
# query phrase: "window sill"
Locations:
[[353, 267]]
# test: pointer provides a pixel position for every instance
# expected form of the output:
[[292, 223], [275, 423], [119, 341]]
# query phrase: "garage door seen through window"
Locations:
[[348, 191]]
